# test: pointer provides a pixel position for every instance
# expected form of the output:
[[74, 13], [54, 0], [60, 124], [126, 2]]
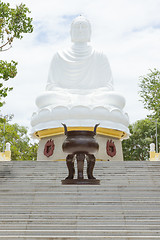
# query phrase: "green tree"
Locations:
[[7, 71], [14, 22], [21, 147], [137, 147], [150, 92]]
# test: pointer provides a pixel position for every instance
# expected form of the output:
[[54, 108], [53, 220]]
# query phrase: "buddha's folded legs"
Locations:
[[56, 98], [67, 98]]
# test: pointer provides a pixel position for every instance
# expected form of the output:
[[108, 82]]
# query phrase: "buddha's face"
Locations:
[[80, 30]]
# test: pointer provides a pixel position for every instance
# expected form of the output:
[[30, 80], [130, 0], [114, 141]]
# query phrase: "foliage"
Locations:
[[137, 147], [14, 22], [21, 147], [143, 131], [150, 92], [7, 70]]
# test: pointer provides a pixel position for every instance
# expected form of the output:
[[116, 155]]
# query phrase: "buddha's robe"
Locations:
[[80, 70], [76, 72]]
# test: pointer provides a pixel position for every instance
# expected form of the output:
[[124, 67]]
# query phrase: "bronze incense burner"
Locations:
[[80, 145]]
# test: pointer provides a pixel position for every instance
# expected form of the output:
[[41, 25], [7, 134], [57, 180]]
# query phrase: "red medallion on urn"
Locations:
[[111, 148], [49, 148]]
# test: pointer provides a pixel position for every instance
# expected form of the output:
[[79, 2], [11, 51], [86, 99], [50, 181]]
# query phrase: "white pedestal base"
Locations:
[[58, 153]]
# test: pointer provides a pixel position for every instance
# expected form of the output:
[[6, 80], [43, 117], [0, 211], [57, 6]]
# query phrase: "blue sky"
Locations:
[[128, 31]]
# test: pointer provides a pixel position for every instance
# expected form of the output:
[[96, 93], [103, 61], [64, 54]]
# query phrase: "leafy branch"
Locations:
[[13, 23], [150, 92]]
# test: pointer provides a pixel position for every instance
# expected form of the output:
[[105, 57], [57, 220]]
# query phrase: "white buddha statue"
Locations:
[[79, 89], [81, 66], [79, 70]]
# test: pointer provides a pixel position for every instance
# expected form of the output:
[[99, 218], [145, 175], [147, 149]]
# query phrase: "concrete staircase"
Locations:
[[34, 204]]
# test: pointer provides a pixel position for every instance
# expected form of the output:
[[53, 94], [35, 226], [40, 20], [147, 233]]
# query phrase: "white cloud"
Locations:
[[128, 31]]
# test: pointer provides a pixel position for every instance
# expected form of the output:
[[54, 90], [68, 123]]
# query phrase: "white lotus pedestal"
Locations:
[[113, 128]]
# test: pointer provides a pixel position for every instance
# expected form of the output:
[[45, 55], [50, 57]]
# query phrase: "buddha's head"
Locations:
[[80, 30]]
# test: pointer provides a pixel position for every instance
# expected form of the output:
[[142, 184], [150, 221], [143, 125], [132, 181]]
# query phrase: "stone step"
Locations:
[[75, 222], [98, 167], [23, 226], [80, 233], [135, 178], [72, 199], [92, 191], [67, 188], [87, 217], [83, 203], [79, 238], [50, 200], [96, 213], [88, 207], [60, 174], [117, 182]]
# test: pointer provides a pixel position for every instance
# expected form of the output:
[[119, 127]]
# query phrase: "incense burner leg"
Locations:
[[70, 165], [90, 165], [80, 165]]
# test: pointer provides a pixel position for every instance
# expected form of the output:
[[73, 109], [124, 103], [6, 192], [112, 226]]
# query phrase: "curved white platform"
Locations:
[[80, 110], [80, 116]]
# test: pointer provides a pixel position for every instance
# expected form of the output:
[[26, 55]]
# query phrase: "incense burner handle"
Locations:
[[65, 128], [95, 128]]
